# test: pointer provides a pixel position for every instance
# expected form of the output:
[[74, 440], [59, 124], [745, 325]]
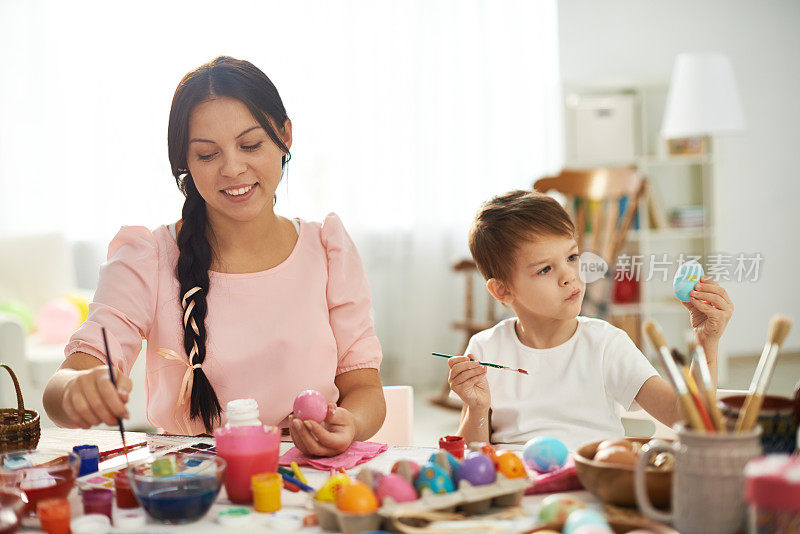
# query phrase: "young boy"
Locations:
[[579, 368]]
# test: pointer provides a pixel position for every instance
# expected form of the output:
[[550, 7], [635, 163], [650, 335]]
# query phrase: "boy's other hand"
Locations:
[[468, 379], [710, 309]]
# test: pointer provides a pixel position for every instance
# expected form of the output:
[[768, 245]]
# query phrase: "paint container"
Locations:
[[248, 451], [454, 445], [124, 493], [242, 412], [91, 524], [267, 492], [98, 501], [90, 458], [772, 492], [54, 515]]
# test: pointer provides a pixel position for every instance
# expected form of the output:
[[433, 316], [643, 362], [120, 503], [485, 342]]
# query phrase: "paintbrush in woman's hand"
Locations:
[[114, 382]]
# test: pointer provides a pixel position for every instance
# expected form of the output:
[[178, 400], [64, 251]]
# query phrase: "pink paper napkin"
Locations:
[[564, 479], [358, 453]]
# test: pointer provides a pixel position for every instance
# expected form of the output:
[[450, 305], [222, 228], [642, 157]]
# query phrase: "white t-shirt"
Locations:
[[571, 391]]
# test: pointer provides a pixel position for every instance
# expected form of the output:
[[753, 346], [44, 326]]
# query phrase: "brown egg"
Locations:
[[616, 455], [624, 443]]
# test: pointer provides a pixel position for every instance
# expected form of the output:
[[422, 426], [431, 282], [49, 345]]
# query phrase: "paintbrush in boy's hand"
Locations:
[[487, 364], [114, 383]]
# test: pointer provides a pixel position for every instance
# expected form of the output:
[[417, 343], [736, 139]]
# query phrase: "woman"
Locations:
[[233, 300]]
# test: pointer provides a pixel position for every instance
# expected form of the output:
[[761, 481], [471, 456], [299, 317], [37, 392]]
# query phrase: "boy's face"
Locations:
[[545, 281]]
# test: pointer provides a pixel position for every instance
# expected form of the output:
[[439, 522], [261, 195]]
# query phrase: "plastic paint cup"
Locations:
[[267, 492], [90, 458], [454, 445], [248, 450], [98, 501], [124, 493], [54, 515]]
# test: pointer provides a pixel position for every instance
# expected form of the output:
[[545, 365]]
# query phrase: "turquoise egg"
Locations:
[[451, 460], [686, 277], [545, 454], [435, 478]]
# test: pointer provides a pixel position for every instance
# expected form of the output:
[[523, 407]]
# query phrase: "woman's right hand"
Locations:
[[90, 398], [468, 379]]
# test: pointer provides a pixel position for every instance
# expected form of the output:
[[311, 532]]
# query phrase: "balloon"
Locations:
[[57, 320], [19, 311]]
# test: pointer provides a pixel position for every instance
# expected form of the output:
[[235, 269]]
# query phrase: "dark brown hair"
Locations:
[[505, 222], [221, 77]]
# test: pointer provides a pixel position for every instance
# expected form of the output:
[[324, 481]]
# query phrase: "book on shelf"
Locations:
[[691, 216]]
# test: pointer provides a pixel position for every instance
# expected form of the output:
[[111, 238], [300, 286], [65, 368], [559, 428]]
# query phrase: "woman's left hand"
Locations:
[[710, 309], [330, 438]]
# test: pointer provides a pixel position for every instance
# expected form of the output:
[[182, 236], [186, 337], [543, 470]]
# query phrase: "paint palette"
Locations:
[[105, 477]]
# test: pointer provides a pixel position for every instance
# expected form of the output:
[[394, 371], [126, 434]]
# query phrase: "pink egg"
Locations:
[[395, 487], [407, 469], [310, 404]]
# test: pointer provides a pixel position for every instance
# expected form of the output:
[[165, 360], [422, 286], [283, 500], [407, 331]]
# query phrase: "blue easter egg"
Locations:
[[544, 454], [451, 460], [477, 469], [579, 518], [686, 277], [435, 478]]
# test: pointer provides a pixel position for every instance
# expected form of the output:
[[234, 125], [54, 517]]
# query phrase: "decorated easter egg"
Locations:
[[477, 469], [583, 517], [395, 487], [331, 487], [545, 454], [57, 320], [624, 443], [489, 450], [310, 404], [356, 498], [450, 464], [686, 277], [556, 508], [433, 477], [510, 465], [407, 469]]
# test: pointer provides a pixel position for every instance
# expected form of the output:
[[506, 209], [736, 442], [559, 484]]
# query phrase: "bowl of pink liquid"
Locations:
[[40, 473]]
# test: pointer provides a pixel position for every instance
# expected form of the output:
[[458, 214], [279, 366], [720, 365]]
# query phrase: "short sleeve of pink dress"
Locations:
[[270, 334]]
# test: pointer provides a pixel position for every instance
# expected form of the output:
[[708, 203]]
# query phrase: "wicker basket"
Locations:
[[19, 428]]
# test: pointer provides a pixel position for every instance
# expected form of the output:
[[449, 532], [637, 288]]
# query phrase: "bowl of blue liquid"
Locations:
[[178, 487]]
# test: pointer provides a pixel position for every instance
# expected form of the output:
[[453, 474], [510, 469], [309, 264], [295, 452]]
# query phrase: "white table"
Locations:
[[299, 503]]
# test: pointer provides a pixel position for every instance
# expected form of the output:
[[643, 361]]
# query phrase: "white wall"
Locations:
[[759, 175]]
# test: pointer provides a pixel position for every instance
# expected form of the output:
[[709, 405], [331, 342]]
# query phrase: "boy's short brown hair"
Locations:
[[505, 222]]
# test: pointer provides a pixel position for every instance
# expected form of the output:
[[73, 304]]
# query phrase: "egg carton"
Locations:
[[467, 499]]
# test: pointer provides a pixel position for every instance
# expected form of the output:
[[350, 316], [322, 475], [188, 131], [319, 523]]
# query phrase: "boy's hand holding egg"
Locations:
[[319, 428], [467, 379]]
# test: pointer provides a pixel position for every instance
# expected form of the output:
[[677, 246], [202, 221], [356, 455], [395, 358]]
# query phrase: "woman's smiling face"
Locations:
[[235, 165]]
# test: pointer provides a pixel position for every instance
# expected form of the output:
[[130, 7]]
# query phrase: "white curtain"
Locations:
[[406, 114]]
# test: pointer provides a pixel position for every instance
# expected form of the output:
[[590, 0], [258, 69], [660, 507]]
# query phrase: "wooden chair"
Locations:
[[602, 203]]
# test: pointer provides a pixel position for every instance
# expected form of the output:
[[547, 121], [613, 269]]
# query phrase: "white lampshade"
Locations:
[[702, 99]]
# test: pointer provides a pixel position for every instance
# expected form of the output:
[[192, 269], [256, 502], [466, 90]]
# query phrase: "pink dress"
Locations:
[[270, 334]]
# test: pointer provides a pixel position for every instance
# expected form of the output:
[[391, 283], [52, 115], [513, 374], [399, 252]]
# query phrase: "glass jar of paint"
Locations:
[[54, 515], [90, 458], [248, 450], [242, 412], [267, 492], [98, 501], [124, 493], [772, 493]]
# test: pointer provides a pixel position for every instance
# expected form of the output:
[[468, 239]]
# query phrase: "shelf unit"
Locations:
[[618, 124]]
